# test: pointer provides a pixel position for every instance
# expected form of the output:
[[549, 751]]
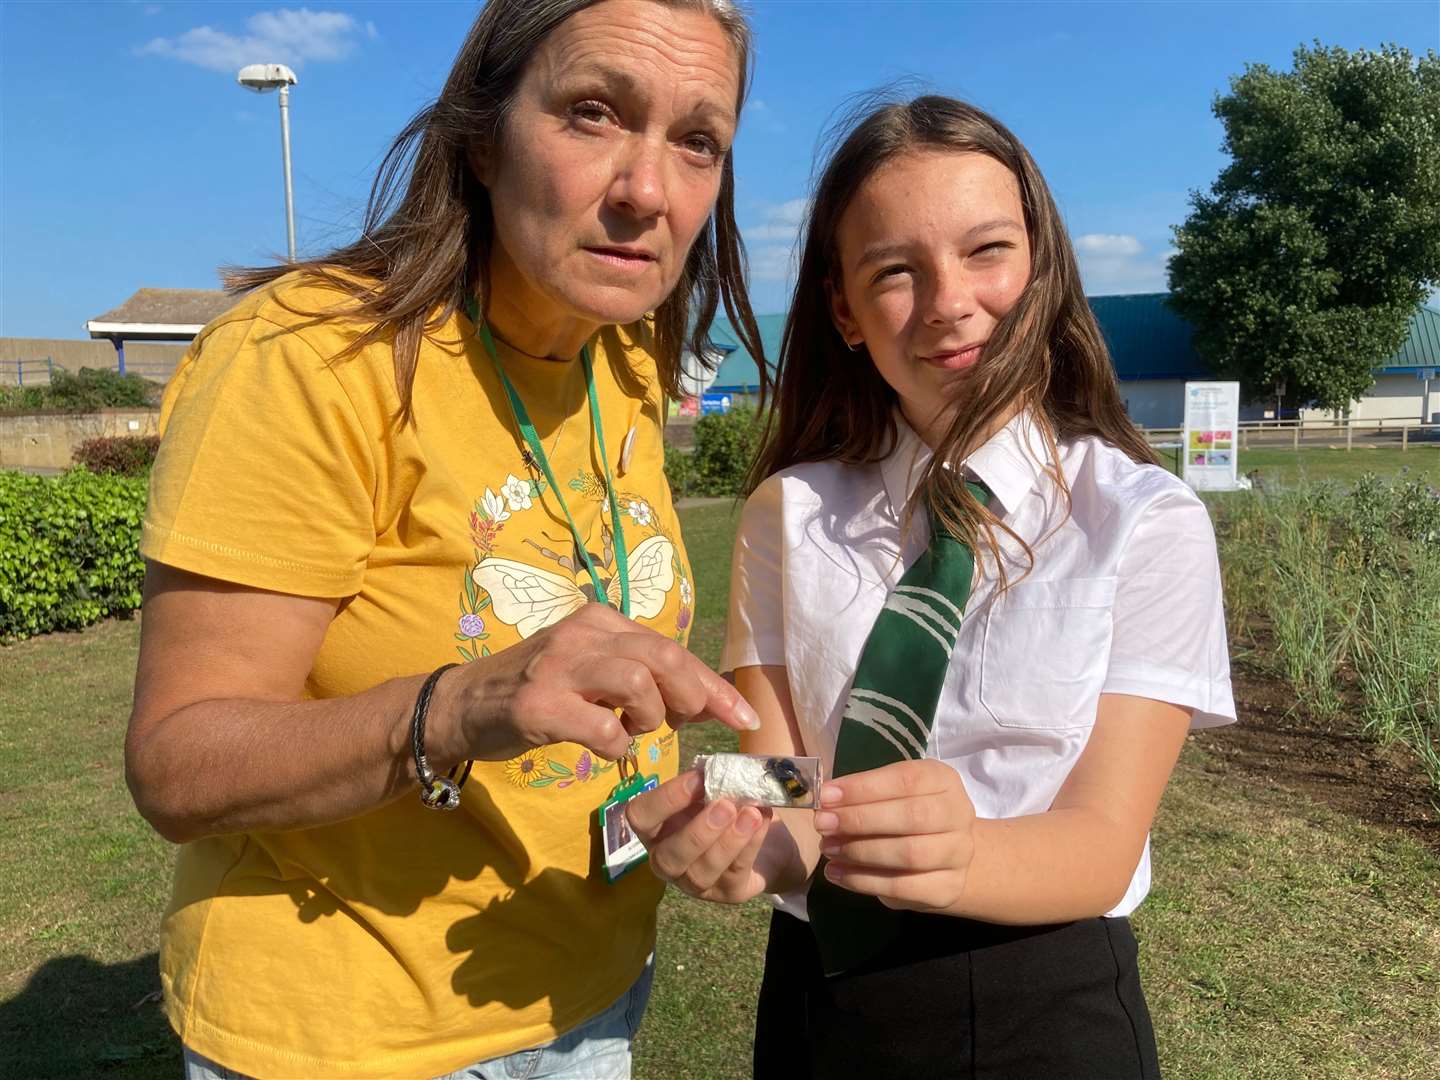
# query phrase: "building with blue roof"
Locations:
[[1153, 351]]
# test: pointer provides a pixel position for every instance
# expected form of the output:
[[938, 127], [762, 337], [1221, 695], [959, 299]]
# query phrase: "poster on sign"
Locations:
[[714, 403], [1212, 422]]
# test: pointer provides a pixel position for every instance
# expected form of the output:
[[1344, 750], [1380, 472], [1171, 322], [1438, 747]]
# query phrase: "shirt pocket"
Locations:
[[1045, 653]]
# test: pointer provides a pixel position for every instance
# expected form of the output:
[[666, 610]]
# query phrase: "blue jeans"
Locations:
[[598, 1049]]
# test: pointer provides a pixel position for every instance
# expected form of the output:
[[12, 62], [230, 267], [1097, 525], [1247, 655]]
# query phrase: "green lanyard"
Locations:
[[537, 450]]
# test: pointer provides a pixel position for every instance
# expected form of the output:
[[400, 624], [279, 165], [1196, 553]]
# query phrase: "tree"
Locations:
[[1301, 267]]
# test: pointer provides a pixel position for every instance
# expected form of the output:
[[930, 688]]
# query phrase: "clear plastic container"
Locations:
[[762, 779]]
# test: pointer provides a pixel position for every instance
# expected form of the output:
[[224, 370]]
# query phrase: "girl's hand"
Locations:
[[704, 851], [902, 833]]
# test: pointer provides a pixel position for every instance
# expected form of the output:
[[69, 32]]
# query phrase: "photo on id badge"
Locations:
[[622, 849]]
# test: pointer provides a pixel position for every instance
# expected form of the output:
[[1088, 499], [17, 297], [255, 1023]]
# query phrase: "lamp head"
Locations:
[[263, 78]]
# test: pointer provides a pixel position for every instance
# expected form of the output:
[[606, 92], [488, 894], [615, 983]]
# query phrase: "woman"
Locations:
[[965, 583], [433, 446]]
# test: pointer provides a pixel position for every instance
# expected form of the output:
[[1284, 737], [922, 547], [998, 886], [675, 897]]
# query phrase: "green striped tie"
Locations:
[[888, 717]]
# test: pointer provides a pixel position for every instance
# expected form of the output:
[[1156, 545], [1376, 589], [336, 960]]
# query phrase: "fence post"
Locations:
[[1405, 438], [1349, 431], [1295, 437]]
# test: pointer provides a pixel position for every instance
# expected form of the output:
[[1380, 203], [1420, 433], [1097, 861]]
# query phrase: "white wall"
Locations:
[[1393, 397], [694, 379]]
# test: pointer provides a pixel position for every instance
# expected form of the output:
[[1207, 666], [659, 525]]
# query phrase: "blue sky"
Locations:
[[129, 157]]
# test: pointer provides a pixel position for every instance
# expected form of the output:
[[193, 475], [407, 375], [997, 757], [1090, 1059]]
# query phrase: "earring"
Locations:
[[855, 347]]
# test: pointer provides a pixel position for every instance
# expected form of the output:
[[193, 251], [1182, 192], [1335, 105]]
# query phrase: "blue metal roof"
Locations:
[[1147, 340], [738, 372]]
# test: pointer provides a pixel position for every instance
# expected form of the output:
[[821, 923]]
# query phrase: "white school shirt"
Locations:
[[1124, 598]]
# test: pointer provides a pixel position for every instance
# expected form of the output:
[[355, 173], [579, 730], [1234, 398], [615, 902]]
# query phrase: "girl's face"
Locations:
[[933, 254]]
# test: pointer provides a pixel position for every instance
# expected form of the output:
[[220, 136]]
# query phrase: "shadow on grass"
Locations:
[[79, 1017]]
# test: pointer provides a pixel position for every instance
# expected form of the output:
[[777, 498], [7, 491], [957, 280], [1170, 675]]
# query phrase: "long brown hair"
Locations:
[[1047, 353], [424, 250]]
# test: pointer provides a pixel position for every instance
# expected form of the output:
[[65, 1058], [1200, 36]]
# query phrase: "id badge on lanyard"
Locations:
[[620, 849]]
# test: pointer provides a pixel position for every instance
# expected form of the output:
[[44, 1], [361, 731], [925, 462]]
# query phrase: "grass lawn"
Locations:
[[1288, 467], [1281, 939]]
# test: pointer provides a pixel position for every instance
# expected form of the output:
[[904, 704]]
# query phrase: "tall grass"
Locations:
[[1338, 591]]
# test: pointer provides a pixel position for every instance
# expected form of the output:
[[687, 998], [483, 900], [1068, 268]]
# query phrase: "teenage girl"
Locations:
[[943, 379]]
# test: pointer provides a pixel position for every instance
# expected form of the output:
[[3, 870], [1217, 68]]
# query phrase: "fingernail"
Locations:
[[720, 813], [824, 821], [833, 872], [692, 782], [748, 822], [830, 847], [748, 717], [831, 794]]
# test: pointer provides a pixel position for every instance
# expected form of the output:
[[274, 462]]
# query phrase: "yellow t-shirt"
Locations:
[[408, 942]]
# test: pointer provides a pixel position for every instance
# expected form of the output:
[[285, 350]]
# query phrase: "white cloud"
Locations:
[[773, 262], [1111, 263], [772, 240], [282, 37], [1108, 244], [791, 212], [778, 221]]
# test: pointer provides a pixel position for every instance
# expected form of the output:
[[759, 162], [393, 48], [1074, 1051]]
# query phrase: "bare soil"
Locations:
[[1276, 741]]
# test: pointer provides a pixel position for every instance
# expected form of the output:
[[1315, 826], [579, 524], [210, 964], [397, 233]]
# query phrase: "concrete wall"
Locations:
[[152, 359], [48, 440]]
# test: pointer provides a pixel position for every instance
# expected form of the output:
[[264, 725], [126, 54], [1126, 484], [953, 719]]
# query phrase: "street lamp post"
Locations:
[[262, 78]]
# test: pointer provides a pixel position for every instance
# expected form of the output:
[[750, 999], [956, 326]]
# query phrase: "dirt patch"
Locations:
[[1383, 785]]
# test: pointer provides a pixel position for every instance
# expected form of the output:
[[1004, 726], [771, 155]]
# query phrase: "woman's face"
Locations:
[[611, 160], [933, 253]]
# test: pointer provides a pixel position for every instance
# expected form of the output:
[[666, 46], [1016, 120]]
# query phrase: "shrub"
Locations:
[[97, 388], [725, 444], [86, 390], [22, 397], [69, 550], [128, 455], [680, 472]]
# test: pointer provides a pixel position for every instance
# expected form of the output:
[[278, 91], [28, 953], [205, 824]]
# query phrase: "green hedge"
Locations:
[[86, 390], [725, 445], [69, 545], [69, 550]]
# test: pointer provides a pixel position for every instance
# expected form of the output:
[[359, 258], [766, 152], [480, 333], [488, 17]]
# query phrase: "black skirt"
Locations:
[[957, 998]]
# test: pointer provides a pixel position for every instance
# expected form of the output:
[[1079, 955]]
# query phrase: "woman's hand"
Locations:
[[705, 851], [902, 833], [564, 684]]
